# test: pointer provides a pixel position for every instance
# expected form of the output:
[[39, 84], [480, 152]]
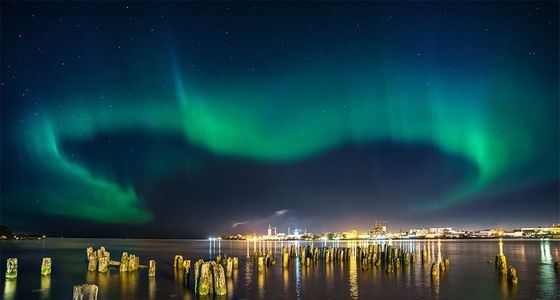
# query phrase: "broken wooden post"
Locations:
[[219, 280], [500, 261], [204, 283], [11, 268], [103, 264], [85, 292], [92, 263], [512, 275], [186, 266], [446, 262], [123, 267], [89, 252], [197, 267], [46, 266], [235, 262], [229, 266], [424, 256], [435, 269], [178, 261], [133, 262], [152, 270], [285, 259], [260, 264]]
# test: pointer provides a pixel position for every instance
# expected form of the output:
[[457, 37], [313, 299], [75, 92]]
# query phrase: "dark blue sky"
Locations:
[[188, 119]]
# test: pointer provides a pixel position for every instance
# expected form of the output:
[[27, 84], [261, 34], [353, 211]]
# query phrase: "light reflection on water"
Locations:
[[468, 274]]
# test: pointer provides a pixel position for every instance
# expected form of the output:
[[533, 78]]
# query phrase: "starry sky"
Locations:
[[195, 119]]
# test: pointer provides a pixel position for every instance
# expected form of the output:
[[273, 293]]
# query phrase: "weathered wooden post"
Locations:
[[197, 267], [235, 263], [92, 263], [178, 261], [11, 268], [229, 266], [446, 262], [186, 266], [152, 270], [204, 280], [557, 266], [512, 275], [85, 292], [103, 264], [260, 264], [435, 269], [219, 280], [285, 258], [46, 265], [500, 261], [89, 252], [133, 262], [123, 267]]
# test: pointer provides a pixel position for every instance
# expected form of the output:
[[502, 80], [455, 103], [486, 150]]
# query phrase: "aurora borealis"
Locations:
[[181, 119]]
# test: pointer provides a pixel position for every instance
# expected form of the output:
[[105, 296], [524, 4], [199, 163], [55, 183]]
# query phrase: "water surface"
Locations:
[[470, 276]]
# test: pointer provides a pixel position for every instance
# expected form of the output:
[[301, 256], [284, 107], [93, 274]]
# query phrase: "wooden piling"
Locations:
[[85, 292], [152, 270], [11, 268], [46, 266], [219, 280], [178, 261], [260, 264], [512, 276], [103, 264]]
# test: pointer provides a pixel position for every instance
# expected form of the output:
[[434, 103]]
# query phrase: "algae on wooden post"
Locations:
[[46, 265], [103, 264], [85, 292], [11, 268], [92, 263], [219, 280], [123, 267], [152, 270], [204, 282]]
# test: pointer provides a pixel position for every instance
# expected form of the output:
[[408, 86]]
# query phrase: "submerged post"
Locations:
[[235, 262], [11, 268], [46, 266], [85, 292]]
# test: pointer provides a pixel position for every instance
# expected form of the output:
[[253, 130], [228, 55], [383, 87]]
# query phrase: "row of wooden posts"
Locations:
[[209, 276], [391, 258]]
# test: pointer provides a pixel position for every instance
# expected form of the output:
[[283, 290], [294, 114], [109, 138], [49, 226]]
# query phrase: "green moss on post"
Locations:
[[11, 268], [46, 266]]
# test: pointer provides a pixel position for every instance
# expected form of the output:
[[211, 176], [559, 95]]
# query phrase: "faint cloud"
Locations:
[[238, 223], [281, 212]]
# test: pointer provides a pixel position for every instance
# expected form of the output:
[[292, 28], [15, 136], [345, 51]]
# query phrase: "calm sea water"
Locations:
[[470, 276]]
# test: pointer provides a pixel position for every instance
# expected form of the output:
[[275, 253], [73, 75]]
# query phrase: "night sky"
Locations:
[[197, 119]]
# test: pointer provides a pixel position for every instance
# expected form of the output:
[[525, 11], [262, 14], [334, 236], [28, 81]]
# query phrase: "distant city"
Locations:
[[380, 232]]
